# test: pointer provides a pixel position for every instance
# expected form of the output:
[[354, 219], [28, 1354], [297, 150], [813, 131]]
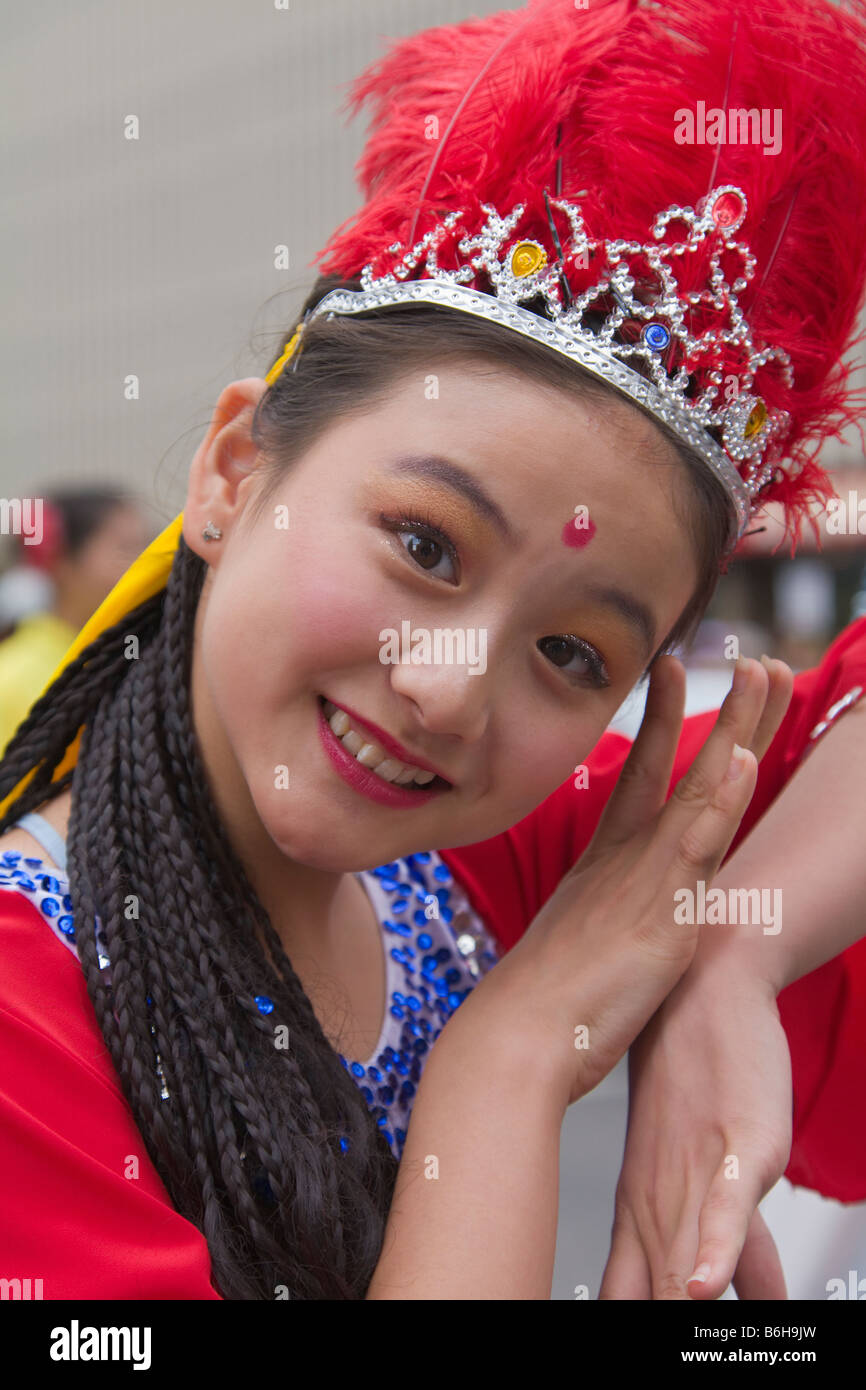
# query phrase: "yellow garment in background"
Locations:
[[28, 659]]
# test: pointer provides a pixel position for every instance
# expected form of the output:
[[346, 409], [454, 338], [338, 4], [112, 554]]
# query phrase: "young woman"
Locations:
[[259, 965]]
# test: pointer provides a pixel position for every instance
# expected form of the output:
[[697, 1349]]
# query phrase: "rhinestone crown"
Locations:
[[689, 334]]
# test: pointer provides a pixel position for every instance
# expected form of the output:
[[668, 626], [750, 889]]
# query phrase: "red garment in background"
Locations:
[[83, 1209]]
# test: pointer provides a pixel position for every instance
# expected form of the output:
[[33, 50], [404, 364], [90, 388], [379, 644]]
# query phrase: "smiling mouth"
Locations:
[[371, 755]]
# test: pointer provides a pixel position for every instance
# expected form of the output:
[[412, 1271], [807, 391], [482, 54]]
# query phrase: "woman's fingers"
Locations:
[[750, 716], [692, 854], [643, 782], [781, 679], [735, 1244], [759, 1272], [736, 725], [627, 1273]]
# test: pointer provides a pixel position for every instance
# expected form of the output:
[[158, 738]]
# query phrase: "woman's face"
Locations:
[[331, 590], [84, 580]]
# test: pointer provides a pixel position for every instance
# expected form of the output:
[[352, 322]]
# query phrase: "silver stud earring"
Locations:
[[211, 532]]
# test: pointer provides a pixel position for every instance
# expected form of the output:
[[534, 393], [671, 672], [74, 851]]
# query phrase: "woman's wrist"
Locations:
[[499, 1023], [474, 1211], [742, 956]]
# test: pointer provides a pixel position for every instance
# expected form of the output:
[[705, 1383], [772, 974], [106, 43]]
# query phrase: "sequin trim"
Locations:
[[846, 701], [436, 950]]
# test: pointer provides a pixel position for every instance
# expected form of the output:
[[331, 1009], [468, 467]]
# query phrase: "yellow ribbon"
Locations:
[[287, 352], [144, 578]]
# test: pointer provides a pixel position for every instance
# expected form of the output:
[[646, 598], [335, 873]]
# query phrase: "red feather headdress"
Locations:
[[599, 121]]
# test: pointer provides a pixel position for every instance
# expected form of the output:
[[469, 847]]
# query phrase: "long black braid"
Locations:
[[190, 946]]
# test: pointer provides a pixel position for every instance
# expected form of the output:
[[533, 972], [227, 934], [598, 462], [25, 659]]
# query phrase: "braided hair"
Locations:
[[248, 1139], [261, 1137]]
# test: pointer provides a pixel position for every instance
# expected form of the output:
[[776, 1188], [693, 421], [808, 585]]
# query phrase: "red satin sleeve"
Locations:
[[82, 1207], [509, 877]]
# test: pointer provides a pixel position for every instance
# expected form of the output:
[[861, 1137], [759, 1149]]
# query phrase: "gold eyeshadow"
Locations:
[[466, 527]]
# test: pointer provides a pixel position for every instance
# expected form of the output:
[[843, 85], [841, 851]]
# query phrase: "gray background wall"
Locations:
[[155, 256]]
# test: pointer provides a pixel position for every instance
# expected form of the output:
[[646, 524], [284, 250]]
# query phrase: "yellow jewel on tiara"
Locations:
[[756, 420], [527, 257]]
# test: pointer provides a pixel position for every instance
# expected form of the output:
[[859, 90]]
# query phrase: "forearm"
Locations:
[[474, 1212], [810, 846]]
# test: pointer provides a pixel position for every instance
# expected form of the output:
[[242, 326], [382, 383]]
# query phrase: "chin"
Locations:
[[299, 836]]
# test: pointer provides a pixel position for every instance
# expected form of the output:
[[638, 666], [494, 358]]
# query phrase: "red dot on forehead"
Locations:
[[578, 536]]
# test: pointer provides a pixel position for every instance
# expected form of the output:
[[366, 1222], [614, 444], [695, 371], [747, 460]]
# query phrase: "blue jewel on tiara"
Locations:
[[656, 336]]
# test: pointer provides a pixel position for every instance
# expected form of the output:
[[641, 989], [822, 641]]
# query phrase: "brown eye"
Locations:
[[426, 545], [425, 551], [562, 651]]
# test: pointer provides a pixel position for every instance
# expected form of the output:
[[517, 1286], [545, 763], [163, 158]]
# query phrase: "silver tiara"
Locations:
[[635, 309]]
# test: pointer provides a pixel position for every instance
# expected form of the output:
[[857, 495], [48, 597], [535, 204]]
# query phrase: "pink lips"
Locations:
[[363, 780], [389, 744]]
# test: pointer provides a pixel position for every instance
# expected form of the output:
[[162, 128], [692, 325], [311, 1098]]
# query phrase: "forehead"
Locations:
[[511, 423]]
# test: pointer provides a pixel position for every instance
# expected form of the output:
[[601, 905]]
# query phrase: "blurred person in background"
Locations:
[[90, 536], [23, 590]]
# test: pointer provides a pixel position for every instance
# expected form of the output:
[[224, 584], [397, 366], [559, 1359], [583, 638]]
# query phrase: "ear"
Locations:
[[223, 466]]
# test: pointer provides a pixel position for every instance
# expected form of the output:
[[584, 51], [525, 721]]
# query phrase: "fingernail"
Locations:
[[765, 661], [737, 763], [700, 1276], [740, 673]]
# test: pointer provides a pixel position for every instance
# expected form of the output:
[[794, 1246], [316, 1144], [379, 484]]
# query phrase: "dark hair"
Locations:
[[271, 1151], [83, 512]]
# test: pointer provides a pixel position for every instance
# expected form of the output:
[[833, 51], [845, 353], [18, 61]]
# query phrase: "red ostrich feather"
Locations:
[[599, 88]]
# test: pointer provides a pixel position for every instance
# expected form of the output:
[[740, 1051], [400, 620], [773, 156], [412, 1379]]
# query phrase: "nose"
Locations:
[[451, 701]]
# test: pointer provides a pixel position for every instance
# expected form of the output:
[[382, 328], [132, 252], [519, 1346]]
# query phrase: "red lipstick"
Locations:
[[362, 779], [389, 744]]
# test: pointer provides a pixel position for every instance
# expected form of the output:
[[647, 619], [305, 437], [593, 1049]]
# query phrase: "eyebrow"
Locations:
[[443, 470], [635, 613]]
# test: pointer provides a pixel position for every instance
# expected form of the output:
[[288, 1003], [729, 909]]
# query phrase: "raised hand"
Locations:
[[605, 950]]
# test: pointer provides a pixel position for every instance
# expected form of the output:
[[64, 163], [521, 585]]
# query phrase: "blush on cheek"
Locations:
[[578, 531]]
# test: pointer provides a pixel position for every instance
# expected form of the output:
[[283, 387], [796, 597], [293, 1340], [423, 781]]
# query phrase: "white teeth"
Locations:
[[390, 769], [405, 776], [339, 722], [352, 741], [372, 755]]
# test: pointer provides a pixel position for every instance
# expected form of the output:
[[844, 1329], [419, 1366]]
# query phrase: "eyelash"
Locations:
[[425, 525]]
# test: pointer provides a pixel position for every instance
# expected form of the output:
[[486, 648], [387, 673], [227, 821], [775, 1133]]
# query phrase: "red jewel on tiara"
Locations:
[[728, 209]]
